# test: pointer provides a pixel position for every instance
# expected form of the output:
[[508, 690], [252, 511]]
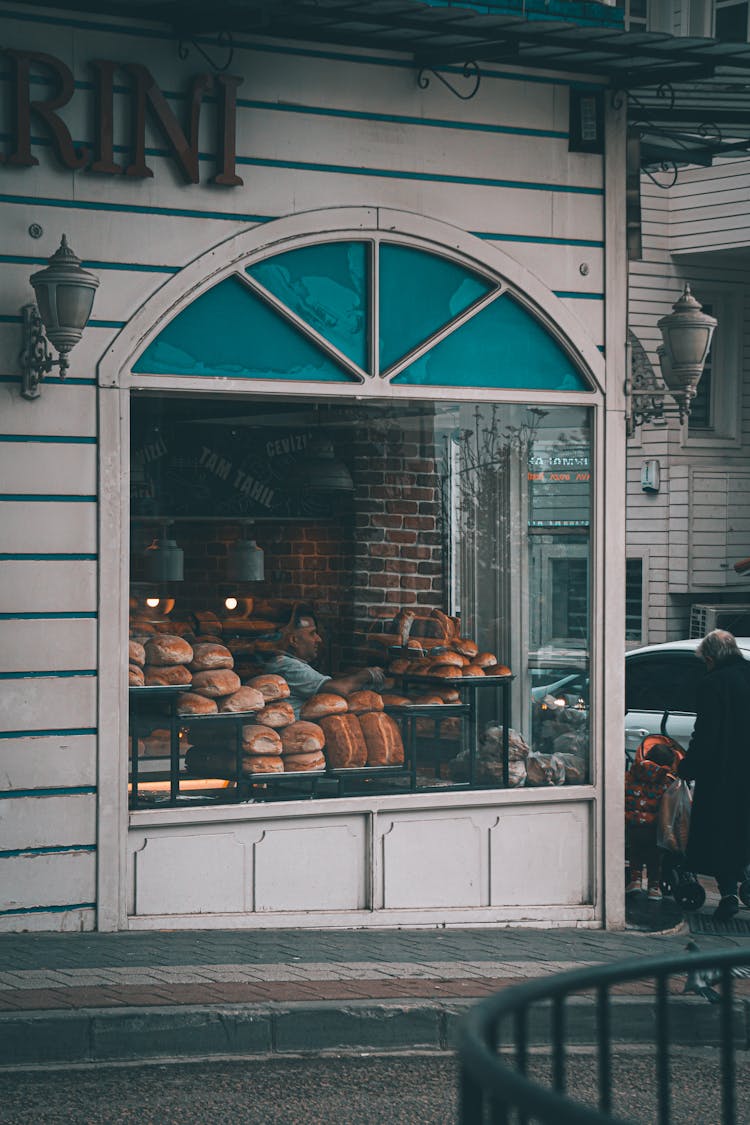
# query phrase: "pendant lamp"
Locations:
[[245, 560], [322, 471], [164, 559]]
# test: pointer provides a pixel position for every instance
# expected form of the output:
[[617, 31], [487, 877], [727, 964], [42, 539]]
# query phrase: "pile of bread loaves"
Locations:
[[334, 731], [431, 645]]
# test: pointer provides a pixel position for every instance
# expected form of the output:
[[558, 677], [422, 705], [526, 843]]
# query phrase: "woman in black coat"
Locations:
[[718, 760]]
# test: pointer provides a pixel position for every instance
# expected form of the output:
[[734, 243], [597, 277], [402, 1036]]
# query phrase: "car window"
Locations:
[[663, 682]]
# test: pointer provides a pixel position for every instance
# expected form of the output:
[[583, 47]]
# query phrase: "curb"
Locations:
[[138, 1034]]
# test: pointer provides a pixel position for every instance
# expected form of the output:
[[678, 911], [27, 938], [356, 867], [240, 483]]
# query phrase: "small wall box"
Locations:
[[650, 476]]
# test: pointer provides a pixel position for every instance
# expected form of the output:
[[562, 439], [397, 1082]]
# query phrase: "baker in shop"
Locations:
[[295, 652]]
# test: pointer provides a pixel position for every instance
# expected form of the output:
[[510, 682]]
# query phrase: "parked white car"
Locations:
[[661, 682]]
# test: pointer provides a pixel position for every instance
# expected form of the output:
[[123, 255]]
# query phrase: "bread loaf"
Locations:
[[257, 739], [484, 659], [265, 764], [432, 698], [244, 699], [270, 686], [360, 702], [166, 649], [445, 671], [498, 670], [208, 655], [449, 695], [402, 624], [449, 658], [382, 739], [395, 701], [472, 670], [136, 653], [277, 715], [345, 743], [302, 738], [222, 681], [294, 763], [466, 647], [322, 704], [399, 665], [191, 704], [135, 676], [166, 675]]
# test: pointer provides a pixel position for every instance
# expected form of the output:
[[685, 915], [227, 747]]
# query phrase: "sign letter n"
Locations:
[[185, 150]]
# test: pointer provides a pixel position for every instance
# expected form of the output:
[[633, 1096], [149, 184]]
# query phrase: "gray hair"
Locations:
[[718, 646]]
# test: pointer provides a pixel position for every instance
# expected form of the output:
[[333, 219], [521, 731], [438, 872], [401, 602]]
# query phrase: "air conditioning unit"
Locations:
[[734, 618]]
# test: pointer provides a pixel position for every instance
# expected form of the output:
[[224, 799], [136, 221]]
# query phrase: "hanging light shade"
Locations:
[[245, 561], [322, 471], [164, 560]]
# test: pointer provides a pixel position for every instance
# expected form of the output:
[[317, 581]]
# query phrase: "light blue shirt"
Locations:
[[302, 678]]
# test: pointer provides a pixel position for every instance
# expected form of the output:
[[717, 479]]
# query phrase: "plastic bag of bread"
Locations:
[[575, 768], [545, 769], [673, 821]]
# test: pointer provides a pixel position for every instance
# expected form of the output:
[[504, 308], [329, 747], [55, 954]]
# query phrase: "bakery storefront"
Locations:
[[397, 436], [356, 359]]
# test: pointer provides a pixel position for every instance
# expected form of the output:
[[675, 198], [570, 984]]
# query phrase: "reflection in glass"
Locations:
[[229, 331], [502, 346], [327, 286], [468, 525]]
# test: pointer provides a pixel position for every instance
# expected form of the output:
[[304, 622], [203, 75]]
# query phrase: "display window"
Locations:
[[333, 595], [427, 562]]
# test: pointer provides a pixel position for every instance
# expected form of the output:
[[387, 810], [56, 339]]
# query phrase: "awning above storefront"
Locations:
[[706, 114]]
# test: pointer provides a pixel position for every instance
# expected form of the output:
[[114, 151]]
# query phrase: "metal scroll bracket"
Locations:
[[470, 72], [223, 42]]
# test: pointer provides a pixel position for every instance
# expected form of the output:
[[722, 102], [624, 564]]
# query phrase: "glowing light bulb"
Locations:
[[230, 603], [152, 603]]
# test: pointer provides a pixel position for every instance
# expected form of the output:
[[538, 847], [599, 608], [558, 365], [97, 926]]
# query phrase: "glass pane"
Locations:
[[559, 546], [461, 528], [229, 332], [419, 294], [502, 346], [634, 600], [326, 286], [663, 682], [731, 22], [699, 417]]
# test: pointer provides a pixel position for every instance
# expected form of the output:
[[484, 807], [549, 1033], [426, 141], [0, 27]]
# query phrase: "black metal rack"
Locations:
[[152, 705], [468, 688]]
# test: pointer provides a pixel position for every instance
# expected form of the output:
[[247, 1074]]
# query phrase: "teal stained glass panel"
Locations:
[[502, 346], [229, 332], [419, 294], [326, 286]]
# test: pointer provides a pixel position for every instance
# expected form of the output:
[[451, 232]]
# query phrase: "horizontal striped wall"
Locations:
[[316, 127], [666, 524]]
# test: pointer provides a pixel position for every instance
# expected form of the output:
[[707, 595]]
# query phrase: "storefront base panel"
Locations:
[[422, 861]]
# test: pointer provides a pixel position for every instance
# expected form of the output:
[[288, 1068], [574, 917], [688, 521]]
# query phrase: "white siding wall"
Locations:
[[315, 129], [696, 473]]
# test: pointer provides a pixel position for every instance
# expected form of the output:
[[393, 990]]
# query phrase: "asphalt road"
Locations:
[[359, 1090]]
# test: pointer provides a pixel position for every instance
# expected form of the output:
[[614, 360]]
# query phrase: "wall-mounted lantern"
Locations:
[[64, 299], [686, 333]]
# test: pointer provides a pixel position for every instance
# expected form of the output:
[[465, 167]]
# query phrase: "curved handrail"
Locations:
[[506, 1086]]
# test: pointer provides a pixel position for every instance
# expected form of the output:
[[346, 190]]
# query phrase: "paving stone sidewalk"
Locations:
[[88, 996]]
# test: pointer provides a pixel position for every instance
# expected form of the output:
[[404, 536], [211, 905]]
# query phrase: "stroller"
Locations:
[[677, 878]]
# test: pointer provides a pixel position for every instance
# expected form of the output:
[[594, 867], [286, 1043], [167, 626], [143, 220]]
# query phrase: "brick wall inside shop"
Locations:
[[397, 550], [381, 553]]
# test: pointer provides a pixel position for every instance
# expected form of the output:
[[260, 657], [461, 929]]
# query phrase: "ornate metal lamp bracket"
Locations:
[[223, 42], [470, 72], [35, 358]]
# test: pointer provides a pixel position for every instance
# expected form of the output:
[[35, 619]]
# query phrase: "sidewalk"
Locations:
[[94, 997]]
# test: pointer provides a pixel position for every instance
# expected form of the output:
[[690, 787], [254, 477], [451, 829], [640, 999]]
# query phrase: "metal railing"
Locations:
[[495, 1085]]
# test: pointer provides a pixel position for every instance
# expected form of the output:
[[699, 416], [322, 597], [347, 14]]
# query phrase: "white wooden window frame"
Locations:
[[117, 382]]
